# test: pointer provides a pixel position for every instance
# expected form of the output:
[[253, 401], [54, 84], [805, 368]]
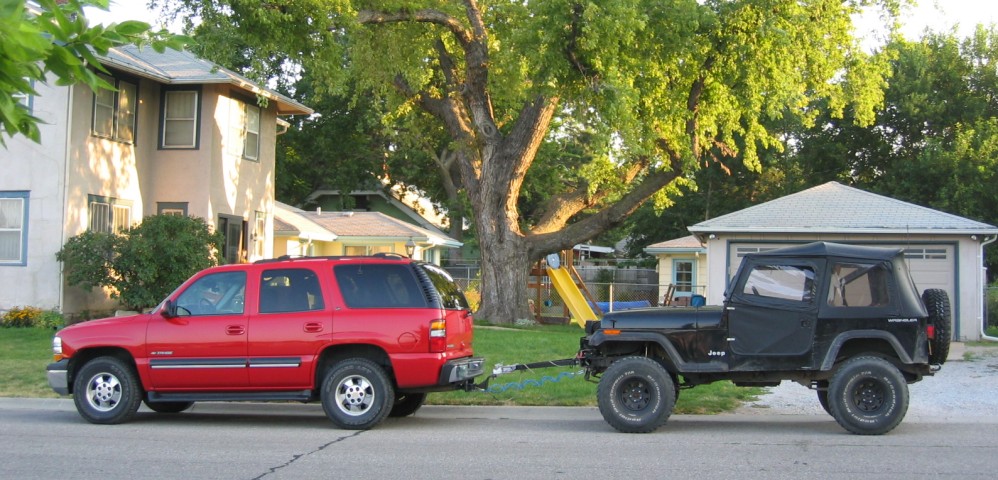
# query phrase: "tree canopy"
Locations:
[[57, 42], [659, 88]]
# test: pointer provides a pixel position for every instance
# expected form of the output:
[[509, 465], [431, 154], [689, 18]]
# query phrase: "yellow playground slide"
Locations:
[[569, 292]]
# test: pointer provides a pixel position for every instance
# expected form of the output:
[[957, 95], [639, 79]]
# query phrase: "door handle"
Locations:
[[313, 327], [235, 330]]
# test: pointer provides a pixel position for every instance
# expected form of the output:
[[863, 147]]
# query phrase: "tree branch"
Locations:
[[462, 35]]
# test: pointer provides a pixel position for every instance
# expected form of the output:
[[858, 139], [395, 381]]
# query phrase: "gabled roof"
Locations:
[[290, 221], [376, 225], [363, 226], [687, 244], [174, 67], [836, 208]]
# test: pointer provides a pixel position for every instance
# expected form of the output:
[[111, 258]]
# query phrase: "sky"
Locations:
[[939, 15]]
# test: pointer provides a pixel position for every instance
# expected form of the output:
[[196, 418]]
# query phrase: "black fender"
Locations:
[[833, 349], [674, 362]]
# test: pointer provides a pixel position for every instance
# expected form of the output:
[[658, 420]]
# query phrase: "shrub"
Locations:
[[145, 263]]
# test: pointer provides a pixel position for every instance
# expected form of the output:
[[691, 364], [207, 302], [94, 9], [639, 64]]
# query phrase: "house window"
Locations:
[[259, 234], [180, 119], [232, 229], [244, 130], [360, 250], [27, 101], [13, 228], [108, 214], [682, 276], [114, 112], [172, 208]]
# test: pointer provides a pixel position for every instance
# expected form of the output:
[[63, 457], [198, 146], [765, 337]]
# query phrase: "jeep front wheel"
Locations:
[[106, 391], [868, 396], [636, 395], [357, 394]]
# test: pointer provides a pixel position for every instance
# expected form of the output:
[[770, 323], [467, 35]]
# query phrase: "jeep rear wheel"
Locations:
[[636, 395], [357, 394], [868, 396], [106, 391], [937, 303]]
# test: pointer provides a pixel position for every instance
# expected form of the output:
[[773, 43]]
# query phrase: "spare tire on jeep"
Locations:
[[937, 303]]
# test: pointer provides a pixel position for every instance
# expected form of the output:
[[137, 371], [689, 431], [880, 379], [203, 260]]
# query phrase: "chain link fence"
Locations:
[[991, 306], [610, 287]]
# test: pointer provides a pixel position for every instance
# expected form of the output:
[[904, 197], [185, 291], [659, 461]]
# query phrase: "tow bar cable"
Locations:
[[501, 369]]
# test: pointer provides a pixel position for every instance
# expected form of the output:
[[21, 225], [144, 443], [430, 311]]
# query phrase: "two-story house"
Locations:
[[180, 135]]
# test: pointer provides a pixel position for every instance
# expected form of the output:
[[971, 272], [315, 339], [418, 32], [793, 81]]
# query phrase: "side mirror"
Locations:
[[169, 309]]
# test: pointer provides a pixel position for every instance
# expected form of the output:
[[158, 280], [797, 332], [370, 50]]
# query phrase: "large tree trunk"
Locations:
[[505, 272]]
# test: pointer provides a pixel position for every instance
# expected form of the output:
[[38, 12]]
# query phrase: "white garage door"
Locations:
[[931, 266]]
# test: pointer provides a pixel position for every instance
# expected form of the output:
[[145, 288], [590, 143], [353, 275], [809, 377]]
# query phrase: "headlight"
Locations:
[[56, 348]]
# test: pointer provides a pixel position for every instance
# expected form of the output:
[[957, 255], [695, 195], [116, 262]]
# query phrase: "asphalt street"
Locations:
[[46, 438]]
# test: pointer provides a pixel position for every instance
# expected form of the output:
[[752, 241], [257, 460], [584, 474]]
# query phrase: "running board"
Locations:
[[294, 396]]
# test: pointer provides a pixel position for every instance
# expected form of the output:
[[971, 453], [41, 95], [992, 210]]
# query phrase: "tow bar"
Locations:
[[501, 369]]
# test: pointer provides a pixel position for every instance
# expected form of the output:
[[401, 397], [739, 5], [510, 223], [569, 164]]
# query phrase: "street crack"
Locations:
[[295, 458]]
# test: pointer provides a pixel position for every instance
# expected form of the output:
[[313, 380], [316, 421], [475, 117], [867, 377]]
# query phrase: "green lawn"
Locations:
[[24, 353]]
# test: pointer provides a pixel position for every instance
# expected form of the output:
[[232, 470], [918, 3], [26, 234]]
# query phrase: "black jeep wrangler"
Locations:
[[843, 320]]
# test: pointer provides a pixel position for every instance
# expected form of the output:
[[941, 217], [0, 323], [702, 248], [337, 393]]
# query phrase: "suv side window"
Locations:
[[215, 294], [858, 285], [450, 294], [379, 286], [290, 290], [782, 282]]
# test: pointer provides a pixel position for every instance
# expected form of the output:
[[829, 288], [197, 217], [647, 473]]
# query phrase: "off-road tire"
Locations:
[[868, 396], [107, 391], [406, 404], [822, 392], [357, 394], [168, 407], [636, 395], [937, 303]]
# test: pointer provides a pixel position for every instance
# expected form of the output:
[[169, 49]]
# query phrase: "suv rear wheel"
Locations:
[[868, 396], [357, 394]]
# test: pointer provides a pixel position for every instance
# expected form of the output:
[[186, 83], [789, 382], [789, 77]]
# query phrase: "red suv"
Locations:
[[366, 336]]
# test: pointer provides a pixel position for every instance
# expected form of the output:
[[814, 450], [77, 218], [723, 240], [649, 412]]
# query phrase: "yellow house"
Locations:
[[299, 232], [682, 269]]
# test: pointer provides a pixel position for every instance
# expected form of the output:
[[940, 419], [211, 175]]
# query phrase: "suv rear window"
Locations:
[[379, 286], [451, 295]]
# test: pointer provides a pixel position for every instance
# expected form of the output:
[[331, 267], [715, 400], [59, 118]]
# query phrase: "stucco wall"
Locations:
[[38, 168]]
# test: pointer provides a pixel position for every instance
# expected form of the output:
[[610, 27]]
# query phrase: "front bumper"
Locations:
[[461, 370], [57, 373]]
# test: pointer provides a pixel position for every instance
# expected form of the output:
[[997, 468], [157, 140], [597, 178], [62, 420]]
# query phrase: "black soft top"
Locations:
[[829, 249]]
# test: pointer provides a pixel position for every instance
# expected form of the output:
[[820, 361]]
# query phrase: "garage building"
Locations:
[[944, 251]]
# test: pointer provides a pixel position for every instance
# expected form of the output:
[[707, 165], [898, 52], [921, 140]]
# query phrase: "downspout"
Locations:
[[983, 284], [65, 191]]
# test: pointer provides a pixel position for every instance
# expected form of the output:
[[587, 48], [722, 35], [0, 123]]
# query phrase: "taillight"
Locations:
[[931, 330], [438, 336]]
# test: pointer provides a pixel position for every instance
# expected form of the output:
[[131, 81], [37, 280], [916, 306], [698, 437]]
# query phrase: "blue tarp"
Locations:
[[605, 306]]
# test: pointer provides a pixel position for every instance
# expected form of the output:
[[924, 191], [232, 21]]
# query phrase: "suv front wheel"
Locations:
[[106, 391], [357, 394], [868, 396]]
